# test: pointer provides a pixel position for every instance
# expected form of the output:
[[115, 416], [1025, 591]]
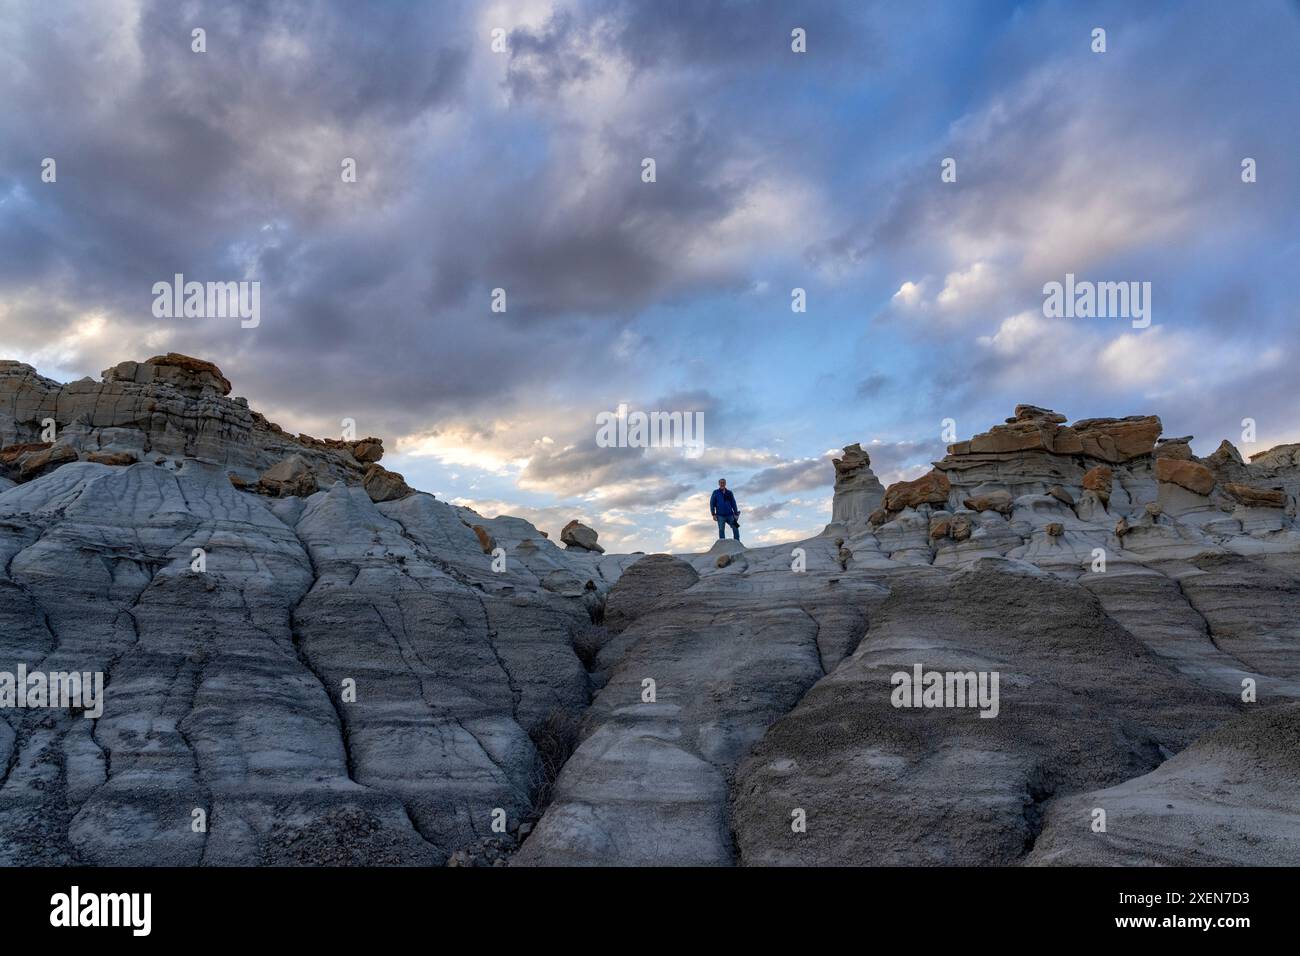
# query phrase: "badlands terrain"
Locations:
[[352, 676]]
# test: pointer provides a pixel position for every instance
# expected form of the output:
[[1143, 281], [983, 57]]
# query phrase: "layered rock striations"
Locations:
[[858, 491], [330, 667], [163, 411]]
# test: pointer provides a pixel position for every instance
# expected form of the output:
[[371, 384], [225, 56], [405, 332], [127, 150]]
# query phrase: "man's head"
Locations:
[[722, 483]]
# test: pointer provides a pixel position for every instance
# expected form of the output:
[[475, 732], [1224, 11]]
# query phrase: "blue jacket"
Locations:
[[723, 503]]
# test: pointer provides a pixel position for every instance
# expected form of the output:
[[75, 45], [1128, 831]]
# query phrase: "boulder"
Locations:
[[1255, 497], [368, 450], [1061, 495], [1036, 413], [1116, 440], [291, 477], [1099, 480], [1030, 435], [577, 535], [1191, 475], [930, 489], [111, 457], [13, 455], [1179, 448], [45, 460], [384, 485], [998, 500]]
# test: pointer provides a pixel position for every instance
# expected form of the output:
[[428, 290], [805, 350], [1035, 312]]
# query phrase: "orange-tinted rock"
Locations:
[[111, 457], [368, 450], [1226, 455], [195, 366], [575, 534], [189, 374], [1020, 436], [1036, 413], [1175, 448], [1066, 441], [485, 540], [10, 454], [999, 501], [46, 460], [1118, 440], [1191, 475], [384, 485], [1255, 497], [1099, 480], [930, 489]]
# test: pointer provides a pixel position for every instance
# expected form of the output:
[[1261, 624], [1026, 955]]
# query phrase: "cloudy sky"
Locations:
[[522, 170]]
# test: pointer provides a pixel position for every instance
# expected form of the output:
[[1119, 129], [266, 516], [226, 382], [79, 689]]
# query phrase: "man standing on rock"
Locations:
[[723, 508]]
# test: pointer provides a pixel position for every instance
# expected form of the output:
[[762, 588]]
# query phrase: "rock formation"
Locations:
[[165, 410], [858, 492], [338, 669], [577, 535]]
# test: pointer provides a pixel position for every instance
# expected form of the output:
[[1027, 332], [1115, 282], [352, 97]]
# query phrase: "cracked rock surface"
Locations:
[[325, 667]]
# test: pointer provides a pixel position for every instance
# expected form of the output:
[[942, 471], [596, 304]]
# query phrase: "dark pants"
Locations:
[[722, 526]]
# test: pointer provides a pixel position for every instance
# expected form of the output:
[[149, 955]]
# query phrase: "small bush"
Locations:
[[556, 738]]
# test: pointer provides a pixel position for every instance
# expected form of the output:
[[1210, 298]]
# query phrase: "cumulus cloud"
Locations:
[[521, 171]]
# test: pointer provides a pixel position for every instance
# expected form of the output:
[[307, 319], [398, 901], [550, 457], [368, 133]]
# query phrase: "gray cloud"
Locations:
[[522, 172], [689, 35], [764, 512], [226, 164], [792, 476]]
